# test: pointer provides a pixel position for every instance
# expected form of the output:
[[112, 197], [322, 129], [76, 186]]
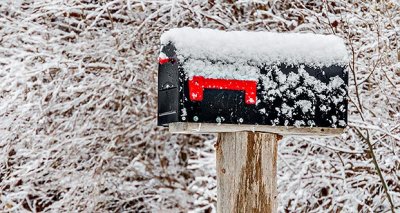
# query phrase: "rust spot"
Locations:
[[279, 137], [223, 171], [217, 145], [218, 150]]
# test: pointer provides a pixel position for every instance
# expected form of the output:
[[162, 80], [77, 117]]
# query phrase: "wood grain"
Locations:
[[246, 172]]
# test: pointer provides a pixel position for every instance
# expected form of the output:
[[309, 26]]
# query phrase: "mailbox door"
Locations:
[[168, 86]]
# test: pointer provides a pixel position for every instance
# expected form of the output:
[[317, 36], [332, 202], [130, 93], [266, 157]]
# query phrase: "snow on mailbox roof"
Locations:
[[258, 47]]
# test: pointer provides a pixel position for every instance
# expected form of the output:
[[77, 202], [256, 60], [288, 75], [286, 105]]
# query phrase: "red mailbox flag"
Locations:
[[198, 83], [163, 60]]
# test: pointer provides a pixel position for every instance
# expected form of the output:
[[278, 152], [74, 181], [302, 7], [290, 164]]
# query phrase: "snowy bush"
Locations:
[[78, 108]]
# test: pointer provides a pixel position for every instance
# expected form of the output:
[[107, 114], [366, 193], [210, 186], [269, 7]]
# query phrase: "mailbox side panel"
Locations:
[[305, 102]]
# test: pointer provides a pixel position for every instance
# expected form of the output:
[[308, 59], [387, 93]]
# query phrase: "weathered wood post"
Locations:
[[246, 172], [250, 88]]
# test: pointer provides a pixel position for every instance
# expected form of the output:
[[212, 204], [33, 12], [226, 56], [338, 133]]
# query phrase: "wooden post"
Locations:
[[246, 172], [246, 162]]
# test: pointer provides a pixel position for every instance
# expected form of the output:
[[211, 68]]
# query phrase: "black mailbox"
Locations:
[[258, 78]]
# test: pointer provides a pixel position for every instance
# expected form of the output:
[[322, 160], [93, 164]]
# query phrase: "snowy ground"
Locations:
[[78, 108]]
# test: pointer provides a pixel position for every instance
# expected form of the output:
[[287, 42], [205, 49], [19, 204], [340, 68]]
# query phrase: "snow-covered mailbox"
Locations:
[[251, 87], [257, 80]]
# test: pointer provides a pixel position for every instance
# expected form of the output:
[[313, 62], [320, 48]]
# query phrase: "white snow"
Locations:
[[289, 85], [220, 70], [305, 105], [162, 55], [240, 54], [299, 123], [335, 82], [243, 48], [287, 110]]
